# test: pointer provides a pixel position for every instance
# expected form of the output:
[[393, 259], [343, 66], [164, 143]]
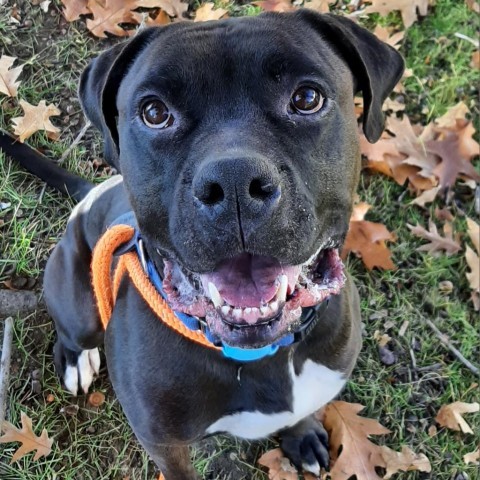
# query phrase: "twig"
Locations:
[[446, 342], [80, 135], [5, 366], [474, 42]]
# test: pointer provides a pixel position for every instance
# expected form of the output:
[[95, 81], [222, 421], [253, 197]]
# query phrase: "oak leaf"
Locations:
[[275, 5], [27, 437], [350, 433], [322, 6], [472, 457], [473, 229], [36, 118], [454, 117], [428, 196], [74, 8], [367, 240], [437, 242], [173, 8], [450, 416], [8, 76], [160, 19], [473, 261], [404, 461], [279, 467], [407, 8], [206, 12], [109, 14], [385, 35]]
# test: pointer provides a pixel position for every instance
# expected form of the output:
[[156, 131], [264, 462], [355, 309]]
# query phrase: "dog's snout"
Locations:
[[249, 184]]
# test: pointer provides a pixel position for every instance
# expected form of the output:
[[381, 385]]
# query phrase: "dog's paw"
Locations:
[[77, 368], [306, 445]]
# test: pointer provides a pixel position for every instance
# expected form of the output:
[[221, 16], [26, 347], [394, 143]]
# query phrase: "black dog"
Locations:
[[237, 146]]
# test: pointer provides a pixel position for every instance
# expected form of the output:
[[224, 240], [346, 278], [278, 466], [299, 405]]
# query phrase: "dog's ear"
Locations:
[[99, 85], [376, 66]]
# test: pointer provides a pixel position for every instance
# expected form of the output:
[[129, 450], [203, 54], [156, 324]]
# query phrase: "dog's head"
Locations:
[[237, 141]]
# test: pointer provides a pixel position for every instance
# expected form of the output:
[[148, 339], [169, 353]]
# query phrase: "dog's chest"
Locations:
[[311, 389]]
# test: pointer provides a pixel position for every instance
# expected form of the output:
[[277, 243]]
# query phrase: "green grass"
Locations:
[[91, 444]]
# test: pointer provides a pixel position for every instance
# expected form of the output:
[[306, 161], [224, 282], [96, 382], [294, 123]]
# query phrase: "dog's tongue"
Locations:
[[249, 280]]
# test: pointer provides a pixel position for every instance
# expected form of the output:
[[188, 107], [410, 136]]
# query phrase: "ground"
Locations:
[[96, 443]]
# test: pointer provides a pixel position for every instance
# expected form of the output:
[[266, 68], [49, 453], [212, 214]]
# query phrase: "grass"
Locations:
[[98, 444]]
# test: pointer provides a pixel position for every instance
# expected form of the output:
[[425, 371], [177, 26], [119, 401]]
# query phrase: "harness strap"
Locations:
[[106, 291]]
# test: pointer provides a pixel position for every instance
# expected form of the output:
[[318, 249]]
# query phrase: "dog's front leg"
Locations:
[[172, 460], [306, 445]]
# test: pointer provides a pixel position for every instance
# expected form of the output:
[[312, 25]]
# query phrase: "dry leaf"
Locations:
[[455, 117], [36, 118], [174, 8], [404, 461], [322, 6], [382, 340], [385, 35], [27, 437], [472, 457], [275, 5], [367, 240], [408, 9], [473, 229], [74, 8], [161, 19], [279, 467], [347, 430], [437, 242], [473, 277], [475, 62], [206, 12], [8, 76], [450, 416], [473, 5], [428, 196]]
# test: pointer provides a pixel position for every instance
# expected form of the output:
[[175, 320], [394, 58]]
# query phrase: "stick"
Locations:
[[5, 367], [443, 338], [80, 135]]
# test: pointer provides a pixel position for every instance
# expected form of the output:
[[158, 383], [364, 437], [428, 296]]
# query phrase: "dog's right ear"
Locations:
[[99, 85]]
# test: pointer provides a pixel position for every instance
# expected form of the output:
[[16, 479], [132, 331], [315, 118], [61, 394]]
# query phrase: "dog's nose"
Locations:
[[250, 186]]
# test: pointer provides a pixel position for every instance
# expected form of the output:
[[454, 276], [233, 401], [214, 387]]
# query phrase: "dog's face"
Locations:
[[238, 147]]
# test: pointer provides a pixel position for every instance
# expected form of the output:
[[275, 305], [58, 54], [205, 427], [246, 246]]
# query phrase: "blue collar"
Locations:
[[309, 318]]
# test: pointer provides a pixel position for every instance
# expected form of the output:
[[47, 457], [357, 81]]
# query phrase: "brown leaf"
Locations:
[[36, 118], [74, 8], [475, 62], [109, 14], [174, 8], [322, 6], [473, 277], [206, 12], [279, 467], [350, 432], [8, 76], [367, 240], [473, 5], [428, 196], [437, 242], [29, 440], [275, 5], [450, 416], [454, 118], [473, 229], [472, 457], [408, 9], [385, 34], [404, 461], [161, 19]]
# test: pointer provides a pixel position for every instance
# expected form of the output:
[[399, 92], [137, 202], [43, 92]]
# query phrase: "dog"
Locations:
[[236, 143]]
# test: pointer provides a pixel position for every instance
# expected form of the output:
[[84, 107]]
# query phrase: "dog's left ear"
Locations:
[[99, 85], [376, 66]]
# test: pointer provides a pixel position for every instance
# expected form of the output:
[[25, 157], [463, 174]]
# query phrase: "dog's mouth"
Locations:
[[251, 301]]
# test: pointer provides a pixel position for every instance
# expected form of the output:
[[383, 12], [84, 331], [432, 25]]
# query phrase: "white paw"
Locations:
[[312, 468], [88, 365]]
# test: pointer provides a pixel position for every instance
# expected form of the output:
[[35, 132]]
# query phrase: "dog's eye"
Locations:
[[155, 114], [307, 100]]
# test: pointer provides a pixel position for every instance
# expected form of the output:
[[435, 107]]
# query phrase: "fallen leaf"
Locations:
[[350, 433], [322, 6], [74, 8], [385, 35], [367, 240], [173, 8], [279, 467], [407, 8], [475, 62], [428, 196], [454, 117], [109, 14], [450, 416], [472, 457], [206, 12], [161, 19], [27, 437], [437, 242], [473, 229], [473, 5], [8, 76], [275, 5], [36, 118], [473, 277], [381, 339], [404, 461]]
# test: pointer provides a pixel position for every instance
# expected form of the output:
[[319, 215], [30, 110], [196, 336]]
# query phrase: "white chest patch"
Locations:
[[314, 387]]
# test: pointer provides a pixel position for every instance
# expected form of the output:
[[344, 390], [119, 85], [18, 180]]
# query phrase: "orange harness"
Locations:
[[106, 290]]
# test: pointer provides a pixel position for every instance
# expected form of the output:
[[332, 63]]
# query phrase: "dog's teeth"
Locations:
[[282, 289], [274, 306], [225, 309], [264, 310], [248, 310], [215, 295], [237, 312], [254, 310]]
